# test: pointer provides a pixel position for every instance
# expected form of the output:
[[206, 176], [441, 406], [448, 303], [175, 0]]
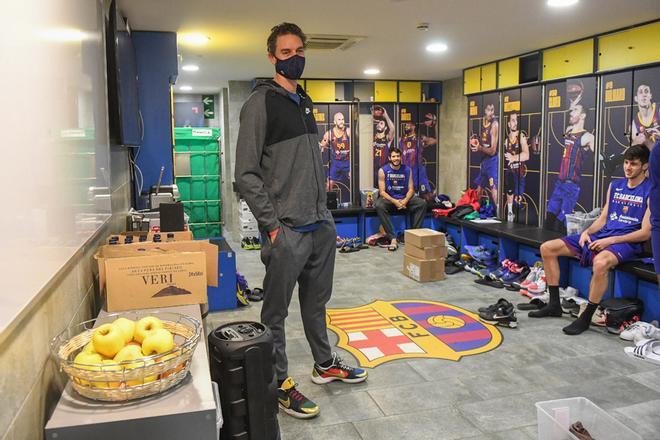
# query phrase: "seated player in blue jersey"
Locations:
[[615, 237], [396, 193]]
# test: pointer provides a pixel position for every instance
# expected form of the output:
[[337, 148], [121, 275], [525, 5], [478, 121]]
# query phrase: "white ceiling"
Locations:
[[476, 31]]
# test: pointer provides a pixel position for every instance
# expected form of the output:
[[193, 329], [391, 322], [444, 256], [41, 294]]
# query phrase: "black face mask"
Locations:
[[291, 68]]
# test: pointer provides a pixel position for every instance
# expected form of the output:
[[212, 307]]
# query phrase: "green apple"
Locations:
[[127, 327], [108, 340], [157, 341], [146, 325]]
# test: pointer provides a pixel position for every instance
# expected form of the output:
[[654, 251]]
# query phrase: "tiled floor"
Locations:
[[487, 396]]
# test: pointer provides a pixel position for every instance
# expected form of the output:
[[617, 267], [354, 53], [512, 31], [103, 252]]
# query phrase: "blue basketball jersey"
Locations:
[[627, 207], [396, 181]]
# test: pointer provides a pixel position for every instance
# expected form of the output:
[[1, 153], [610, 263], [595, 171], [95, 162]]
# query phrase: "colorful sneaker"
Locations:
[[338, 370], [294, 403], [630, 331], [496, 275], [256, 243], [531, 278], [537, 287]]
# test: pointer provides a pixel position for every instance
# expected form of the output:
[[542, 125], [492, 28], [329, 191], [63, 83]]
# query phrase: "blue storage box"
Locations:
[[223, 297]]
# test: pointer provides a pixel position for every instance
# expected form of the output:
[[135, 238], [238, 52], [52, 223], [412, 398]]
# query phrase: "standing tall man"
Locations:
[[486, 144], [280, 174], [383, 137], [516, 154]]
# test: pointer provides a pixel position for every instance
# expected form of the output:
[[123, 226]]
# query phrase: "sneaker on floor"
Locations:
[[338, 370], [538, 286], [294, 403], [497, 274], [491, 307], [639, 327], [568, 292]]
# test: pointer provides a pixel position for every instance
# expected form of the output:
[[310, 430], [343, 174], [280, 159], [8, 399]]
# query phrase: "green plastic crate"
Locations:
[[196, 139], [184, 184], [213, 211], [198, 230], [212, 188], [212, 166], [198, 212], [187, 208], [213, 230], [197, 164], [198, 190]]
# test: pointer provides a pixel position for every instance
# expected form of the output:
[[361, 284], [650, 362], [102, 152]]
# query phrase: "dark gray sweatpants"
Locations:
[[307, 258]]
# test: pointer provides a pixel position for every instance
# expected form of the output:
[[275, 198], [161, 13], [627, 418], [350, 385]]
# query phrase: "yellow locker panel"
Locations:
[[632, 47], [489, 77], [569, 60], [410, 91], [320, 90], [472, 80], [385, 91], [509, 73]]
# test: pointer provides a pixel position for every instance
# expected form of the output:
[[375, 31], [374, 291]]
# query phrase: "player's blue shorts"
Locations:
[[488, 173], [420, 180], [563, 199], [514, 182], [339, 172], [622, 251]]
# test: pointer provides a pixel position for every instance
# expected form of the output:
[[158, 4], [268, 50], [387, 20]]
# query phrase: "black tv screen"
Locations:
[[123, 102]]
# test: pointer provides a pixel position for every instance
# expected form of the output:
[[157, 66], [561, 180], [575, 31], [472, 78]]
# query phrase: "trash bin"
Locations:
[[242, 363]]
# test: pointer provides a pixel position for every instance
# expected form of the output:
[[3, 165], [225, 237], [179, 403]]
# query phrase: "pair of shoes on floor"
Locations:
[[501, 313], [349, 245], [640, 330], [294, 403], [250, 243]]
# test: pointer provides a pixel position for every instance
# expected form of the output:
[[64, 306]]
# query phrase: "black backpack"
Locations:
[[619, 311]]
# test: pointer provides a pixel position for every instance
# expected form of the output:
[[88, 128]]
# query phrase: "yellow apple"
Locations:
[[157, 341], [111, 365], [129, 353], [88, 361], [108, 340], [146, 325], [89, 348], [127, 327], [171, 371]]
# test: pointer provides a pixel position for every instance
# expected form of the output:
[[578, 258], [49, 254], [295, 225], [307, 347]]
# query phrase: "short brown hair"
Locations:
[[284, 29]]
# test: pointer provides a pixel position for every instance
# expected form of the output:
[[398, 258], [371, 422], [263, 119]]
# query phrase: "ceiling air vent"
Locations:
[[331, 42]]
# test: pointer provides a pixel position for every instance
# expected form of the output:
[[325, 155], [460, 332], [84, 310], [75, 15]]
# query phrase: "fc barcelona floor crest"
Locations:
[[387, 330]]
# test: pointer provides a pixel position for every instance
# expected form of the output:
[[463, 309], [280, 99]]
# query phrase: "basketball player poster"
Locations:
[[631, 116], [483, 145], [384, 135], [335, 142], [616, 99], [570, 158], [413, 142], [428, 132], [530, 123]]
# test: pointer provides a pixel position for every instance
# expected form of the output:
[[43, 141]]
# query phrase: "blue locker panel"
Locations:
[[428, 222], [469, 237], [625, 284], [650, 294], [223, 297], [528, 254], [508, 249], [347, 227], [489, 241], [455, 232]]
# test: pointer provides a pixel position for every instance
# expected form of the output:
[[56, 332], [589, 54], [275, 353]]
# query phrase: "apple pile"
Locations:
[[122, 341]]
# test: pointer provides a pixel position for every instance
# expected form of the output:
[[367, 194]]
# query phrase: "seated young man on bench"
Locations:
[[397, 193], [615, 237]]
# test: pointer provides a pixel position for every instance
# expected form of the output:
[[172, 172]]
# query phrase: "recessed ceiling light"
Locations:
[[193, 39], [190, 68], [185, 88], [371, 71], [561, 3], [436, 47]]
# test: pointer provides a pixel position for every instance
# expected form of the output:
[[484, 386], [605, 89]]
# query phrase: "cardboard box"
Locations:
[[138, 279], [136, 249], [423, 270], [429, 253], [176, 236], [424, 238]]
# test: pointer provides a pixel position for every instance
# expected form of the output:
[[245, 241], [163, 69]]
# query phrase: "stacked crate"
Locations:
[[425, 253], [197, 174], [247, 224]]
